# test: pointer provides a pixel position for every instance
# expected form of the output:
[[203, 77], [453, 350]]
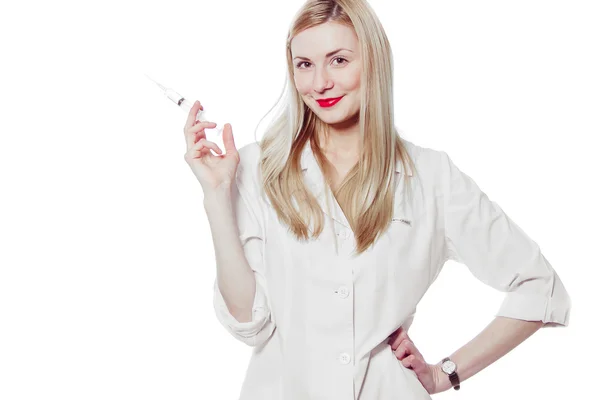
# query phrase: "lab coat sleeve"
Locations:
[[259, 329], [499, 253]]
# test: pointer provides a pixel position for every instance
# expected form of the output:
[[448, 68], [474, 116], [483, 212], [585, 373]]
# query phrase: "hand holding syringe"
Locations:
[[186, 105], [214, 172]]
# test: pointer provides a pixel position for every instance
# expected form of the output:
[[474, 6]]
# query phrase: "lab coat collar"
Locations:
[[307, 160], [316, 183]]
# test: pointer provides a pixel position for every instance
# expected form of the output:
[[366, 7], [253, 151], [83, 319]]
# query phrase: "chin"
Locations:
[[330, 120]]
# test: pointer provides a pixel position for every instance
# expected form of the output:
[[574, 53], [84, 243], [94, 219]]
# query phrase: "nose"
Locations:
[[322, 81]]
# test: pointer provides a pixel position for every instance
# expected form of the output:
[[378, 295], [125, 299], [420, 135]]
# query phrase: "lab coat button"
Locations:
[[343, 292], [345, 358]]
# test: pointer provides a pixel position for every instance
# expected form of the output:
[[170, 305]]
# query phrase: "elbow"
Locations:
[[252, 332], [547, 302], [252, 328]]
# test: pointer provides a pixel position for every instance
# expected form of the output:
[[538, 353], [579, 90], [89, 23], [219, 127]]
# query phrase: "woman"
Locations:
[[329, 231]]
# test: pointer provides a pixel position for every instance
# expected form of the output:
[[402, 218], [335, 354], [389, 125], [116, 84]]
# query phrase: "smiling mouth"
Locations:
[[329, 102]]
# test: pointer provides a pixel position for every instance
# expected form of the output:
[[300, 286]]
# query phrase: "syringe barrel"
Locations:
[[174, 96], [186, 105], [182, 102]]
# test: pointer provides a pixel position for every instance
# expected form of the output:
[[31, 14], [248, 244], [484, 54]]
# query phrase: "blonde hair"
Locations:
[[366, 195]]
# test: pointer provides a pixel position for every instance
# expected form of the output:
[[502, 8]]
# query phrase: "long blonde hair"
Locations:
[[366, 195]]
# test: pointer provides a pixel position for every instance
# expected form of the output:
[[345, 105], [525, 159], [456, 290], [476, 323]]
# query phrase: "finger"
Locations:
[[228, 141], [399, 338], [417, 364], [199, 150], [401, 353], [201, 125], [409, 361], [396, 333], [191, 118], [413, 349], [402, 350], [206, 144], [197, 131]]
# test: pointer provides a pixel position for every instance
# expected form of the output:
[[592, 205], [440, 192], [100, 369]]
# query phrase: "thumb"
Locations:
[[228, 141]]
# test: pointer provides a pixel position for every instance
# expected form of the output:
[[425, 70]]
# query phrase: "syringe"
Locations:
[[186, 106]]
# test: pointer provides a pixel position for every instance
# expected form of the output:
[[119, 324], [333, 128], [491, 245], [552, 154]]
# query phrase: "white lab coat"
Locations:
[[321, 319]]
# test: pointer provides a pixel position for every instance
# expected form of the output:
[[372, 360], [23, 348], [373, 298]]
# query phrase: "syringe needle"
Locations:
[[159, 85], [175, 97]]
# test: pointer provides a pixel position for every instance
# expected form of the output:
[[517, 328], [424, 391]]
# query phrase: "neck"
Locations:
[[343, 140]]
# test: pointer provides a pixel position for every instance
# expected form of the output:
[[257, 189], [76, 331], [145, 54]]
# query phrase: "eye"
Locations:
[[299, 65]]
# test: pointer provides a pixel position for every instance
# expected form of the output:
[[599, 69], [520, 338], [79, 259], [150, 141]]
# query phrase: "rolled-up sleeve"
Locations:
[[480, 235], [259, 329]]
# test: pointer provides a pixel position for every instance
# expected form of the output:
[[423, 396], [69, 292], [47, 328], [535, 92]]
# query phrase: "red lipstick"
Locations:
[[329, 102]]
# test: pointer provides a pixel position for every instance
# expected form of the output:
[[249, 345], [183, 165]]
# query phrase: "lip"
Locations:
[[329, 102]]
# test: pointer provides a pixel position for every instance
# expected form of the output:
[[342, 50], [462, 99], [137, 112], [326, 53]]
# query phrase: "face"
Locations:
[[327, 65]]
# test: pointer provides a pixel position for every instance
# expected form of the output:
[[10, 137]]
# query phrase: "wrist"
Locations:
[[217, 197], [442, 381]]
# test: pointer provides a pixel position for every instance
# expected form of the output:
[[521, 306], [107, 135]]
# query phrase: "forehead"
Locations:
[[321, 39]]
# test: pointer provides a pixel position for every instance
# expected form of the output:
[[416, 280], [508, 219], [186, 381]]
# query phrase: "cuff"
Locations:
[[532, 307], [245, 331]]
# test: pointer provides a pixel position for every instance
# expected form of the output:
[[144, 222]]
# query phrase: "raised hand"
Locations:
[[214, 172]]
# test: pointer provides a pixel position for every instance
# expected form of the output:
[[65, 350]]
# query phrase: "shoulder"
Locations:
[[430, 163], [247, 173], [249, 152], [441, 175]]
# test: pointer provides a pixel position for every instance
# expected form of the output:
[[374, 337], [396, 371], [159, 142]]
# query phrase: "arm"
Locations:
[[235, 278], [497, 339], [480, 235], [240, 293]]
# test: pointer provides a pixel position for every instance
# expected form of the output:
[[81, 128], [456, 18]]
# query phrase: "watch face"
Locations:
[[448, 367]]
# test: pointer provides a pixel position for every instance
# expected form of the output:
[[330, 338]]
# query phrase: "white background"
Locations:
[[106, 259]]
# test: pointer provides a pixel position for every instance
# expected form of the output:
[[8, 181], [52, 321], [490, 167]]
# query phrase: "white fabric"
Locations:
[[321, 319]]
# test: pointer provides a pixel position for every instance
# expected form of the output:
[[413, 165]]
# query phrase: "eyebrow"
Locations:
[[326, 55]]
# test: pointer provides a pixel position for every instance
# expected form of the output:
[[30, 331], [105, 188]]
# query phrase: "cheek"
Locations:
[[302, 84], [354, 81]]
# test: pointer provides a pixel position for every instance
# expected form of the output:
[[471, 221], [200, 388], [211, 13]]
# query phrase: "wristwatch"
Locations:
[[449, 368]]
